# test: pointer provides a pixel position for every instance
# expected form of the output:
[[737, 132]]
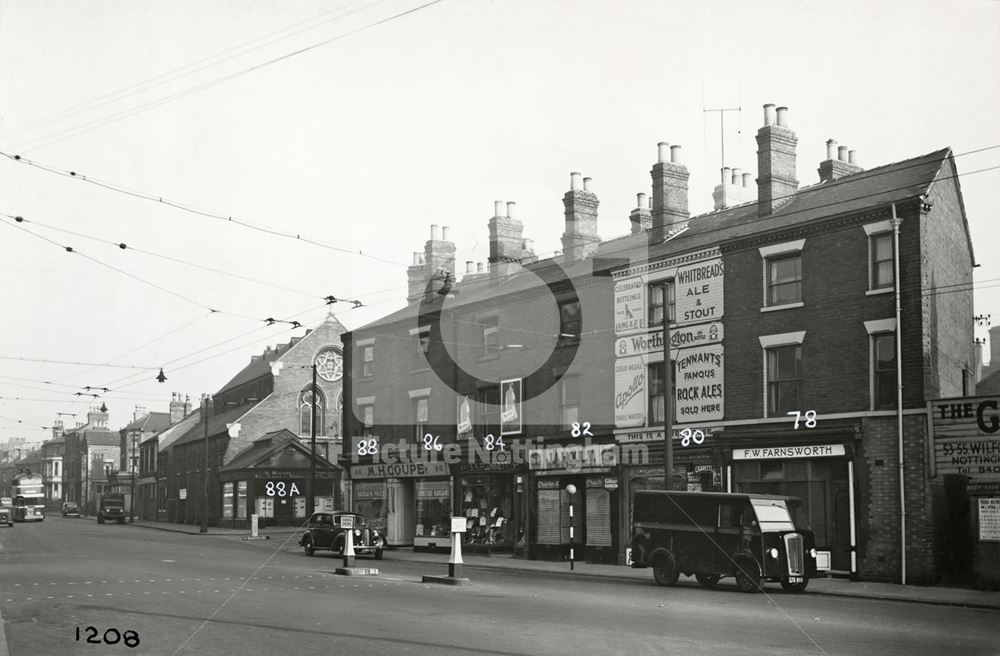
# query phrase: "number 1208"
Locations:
[[112, 636]]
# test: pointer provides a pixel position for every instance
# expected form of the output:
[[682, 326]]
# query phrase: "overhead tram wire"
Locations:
[[196, 211], [188, 69], [93, 125], [298, 237], [123, 246]]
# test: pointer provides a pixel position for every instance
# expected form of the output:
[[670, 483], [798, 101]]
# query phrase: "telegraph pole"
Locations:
[[206, 404], [311, 489]]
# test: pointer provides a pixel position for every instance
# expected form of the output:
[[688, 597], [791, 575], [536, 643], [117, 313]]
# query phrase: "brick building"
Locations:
[[274, 393], [782, 300], [92, 452]]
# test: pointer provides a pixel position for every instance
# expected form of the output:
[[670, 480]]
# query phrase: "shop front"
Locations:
[[410, 501], [820, 474], [574, 486], [490, 495]]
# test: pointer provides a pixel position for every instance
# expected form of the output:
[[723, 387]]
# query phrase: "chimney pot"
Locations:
[[510, 209], [675, 154], [435, 233], [842, 153], [641, 201], [831, 149], [783, 117], [498, 208], [416, 258], [852, 157], [444, 233], [769, 114], [586, 184], [662, 149], [574, 181], [737, 173], [746, 179], [470, 266], [726, 175]]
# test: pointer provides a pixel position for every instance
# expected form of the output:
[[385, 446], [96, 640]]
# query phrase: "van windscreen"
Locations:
[[772, 514]]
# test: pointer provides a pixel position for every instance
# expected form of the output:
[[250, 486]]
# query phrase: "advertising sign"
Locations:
[[699, 292], [463, 413], [510, 410], [699, 374], [772, 452], [630, 305], [967, 438], [989, 520], [630, 392]]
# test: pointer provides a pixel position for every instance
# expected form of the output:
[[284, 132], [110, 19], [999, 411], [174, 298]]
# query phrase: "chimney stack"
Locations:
[[580, 238], [733, 189], [840, 161], [438, 256], [776, 143], [670, 192], [640, 217], [506, 241], [177, 408]]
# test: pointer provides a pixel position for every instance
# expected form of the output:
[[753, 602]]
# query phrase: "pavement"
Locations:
[[936, 594]]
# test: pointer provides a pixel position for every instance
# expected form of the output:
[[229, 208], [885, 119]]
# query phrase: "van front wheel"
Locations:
[[748, 578], [665, 568]]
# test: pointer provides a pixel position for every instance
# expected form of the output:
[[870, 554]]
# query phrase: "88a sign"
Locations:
[[281, 489]]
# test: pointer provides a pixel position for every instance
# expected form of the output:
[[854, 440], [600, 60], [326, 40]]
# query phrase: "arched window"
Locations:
[[305, 412]]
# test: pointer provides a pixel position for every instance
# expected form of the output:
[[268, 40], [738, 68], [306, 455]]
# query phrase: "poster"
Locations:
[[510, 406]]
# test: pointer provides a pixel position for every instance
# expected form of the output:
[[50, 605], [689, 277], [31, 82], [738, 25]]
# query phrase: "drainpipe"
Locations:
[[896, 221]]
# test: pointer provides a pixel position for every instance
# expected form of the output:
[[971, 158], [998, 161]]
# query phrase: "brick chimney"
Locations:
[[640, 217], [840, 161], [733, 189], [178, 409], [506, 241], [776, 142], [98, 417], [580, 238], [670, 191], [57, 428], [437, 261], [416, 278]]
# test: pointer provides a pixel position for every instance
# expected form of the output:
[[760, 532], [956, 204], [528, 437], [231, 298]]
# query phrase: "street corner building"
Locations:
[[811, 329], [258, 430]]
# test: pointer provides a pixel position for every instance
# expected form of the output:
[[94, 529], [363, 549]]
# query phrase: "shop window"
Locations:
[[306, 404], [881, 260], [884, 370], [370, 501], [490, 336], [570, 399], [433, 509], [487, 507], [265, 507], [771, 470], [241, 499], [569, 322], [784, 379], [549, 516], [598, 515], [661, 294], [227, 500]]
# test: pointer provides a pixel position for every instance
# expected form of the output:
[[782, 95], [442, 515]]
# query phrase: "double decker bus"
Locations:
[[28, 496]]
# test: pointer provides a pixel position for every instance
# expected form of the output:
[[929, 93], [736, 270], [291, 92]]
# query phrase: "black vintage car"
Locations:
[[6, 514], [711, 535], [70, 509], [323, 531]]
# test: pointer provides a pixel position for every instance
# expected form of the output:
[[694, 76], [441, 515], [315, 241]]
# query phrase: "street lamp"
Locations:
[[571, 490]]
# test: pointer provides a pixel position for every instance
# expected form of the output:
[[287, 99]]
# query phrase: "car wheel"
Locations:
[[707, 580], [795, 587], [665, 568], [307, 547], [748, 578], [378, 554]]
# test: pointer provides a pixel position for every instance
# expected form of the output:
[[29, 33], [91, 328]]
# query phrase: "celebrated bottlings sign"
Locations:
[[966, 438]]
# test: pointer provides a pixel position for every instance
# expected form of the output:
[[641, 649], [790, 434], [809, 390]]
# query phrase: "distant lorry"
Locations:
[[111, 507]]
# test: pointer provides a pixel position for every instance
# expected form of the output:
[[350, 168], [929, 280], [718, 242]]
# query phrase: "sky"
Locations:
[[334, 133]]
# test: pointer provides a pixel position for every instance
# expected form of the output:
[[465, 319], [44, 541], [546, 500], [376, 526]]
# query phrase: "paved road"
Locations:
[[218, 595]]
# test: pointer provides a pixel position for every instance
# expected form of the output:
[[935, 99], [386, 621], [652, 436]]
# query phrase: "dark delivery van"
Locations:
[[711, 535]]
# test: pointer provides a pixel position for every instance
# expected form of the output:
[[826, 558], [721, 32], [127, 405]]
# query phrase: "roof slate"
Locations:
[[285, 452], [216, 424]]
